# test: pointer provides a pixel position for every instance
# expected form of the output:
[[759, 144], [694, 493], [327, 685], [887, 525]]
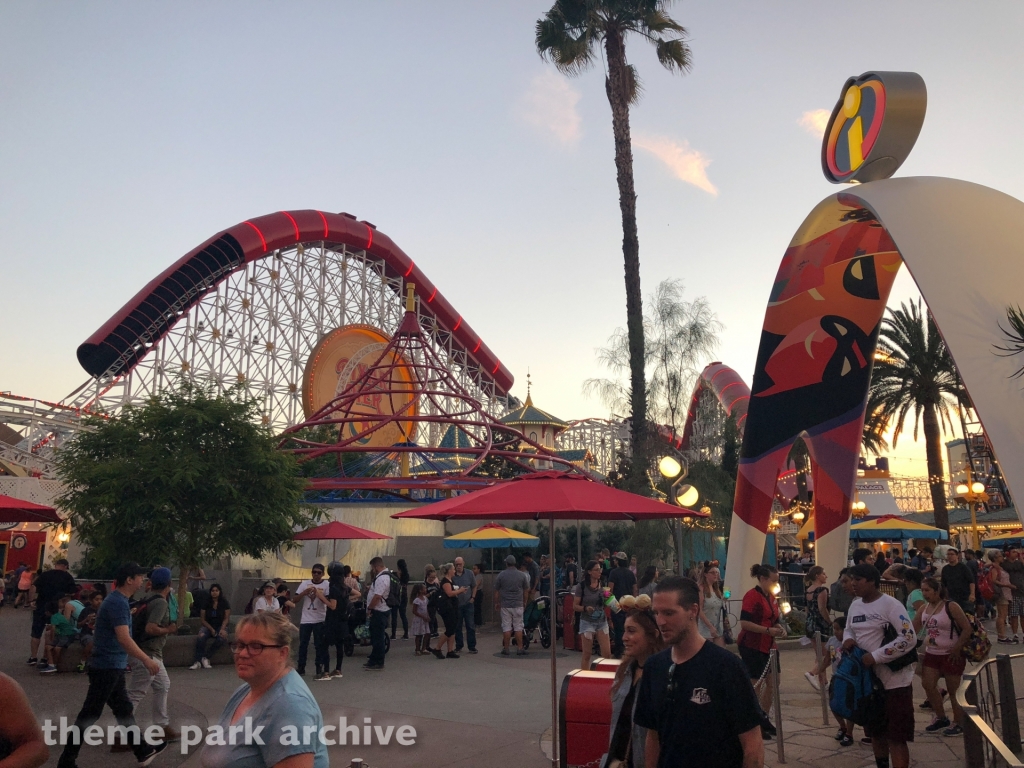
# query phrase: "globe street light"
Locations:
[[687, 496], [669, 467]]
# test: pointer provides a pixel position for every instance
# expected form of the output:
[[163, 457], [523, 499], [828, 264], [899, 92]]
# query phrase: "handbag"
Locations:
[[889, 634]]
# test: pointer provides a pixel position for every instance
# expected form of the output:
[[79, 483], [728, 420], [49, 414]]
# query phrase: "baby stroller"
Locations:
[[536, 617], [359, 629]]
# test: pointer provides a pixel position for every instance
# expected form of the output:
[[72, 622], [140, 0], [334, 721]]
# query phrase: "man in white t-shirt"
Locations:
[[866, 623], [313, 596], [380, 613]]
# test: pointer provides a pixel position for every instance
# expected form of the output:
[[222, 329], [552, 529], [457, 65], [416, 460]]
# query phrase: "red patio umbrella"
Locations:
[[336, 531], [14, 510], [552, 496]]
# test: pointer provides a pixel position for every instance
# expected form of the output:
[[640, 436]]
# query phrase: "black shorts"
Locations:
[[39, 622], [756, 661], [898, 724]]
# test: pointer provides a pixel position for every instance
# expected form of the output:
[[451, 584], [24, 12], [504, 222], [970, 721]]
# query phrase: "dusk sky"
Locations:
[[131, 132]]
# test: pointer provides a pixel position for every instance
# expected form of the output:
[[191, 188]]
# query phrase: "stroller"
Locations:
[[359, 629], [536, 617]]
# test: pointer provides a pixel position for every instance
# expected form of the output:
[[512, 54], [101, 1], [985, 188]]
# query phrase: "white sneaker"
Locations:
[[206, 663], [813, 680], [197, 665]]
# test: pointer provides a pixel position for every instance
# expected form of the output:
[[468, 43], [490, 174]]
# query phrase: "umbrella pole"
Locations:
[[334, 551], [554, 673]]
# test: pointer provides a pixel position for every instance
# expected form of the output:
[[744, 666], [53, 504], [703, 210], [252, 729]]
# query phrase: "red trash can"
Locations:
[[601, 664], [584, 717]]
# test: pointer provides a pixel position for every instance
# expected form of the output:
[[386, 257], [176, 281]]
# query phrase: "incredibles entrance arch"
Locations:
[[964, 246]]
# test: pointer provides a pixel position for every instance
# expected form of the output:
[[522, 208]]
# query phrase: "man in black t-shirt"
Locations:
[[695, 698], [51, 586], [622, 582], [958, 580]]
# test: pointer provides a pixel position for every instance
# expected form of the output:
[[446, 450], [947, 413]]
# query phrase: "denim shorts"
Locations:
[[588, 628]]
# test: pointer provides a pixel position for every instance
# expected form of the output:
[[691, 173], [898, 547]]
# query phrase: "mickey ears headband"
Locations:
[[641, 603]]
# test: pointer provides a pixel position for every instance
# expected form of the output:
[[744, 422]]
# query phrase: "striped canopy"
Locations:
[[1013, 538], [491, 536], [893, 528]]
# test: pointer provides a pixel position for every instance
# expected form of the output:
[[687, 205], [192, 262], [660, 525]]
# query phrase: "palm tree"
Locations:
[[571, 35], [915, 373]]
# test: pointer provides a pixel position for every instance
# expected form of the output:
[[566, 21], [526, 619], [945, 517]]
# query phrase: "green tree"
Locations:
[[571, 35], [731, 447], [679, 337], [187, 477], [915, 374]]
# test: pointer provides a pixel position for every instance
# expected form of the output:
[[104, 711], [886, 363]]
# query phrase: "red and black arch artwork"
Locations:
[[814, 363]]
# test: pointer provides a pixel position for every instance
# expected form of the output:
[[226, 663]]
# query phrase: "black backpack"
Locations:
[[139, 610], [434, 593], [394, 598]]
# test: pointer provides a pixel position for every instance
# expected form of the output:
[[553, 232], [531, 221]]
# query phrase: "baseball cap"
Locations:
[[620, 556], [161, 577], [510, 560], [128, 570]]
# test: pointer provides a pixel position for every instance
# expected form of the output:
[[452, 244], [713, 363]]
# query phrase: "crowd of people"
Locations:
[[676, 684]]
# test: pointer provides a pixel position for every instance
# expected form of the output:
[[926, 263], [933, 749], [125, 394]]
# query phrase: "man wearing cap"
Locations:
[[112, 646], [158, 627], [511, 593], [622, 582]]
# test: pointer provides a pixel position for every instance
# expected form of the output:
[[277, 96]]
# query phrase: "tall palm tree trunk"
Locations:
[[618, 90], [936, 478]]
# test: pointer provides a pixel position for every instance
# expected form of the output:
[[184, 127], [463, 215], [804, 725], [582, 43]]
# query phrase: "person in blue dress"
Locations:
[[274, 697]]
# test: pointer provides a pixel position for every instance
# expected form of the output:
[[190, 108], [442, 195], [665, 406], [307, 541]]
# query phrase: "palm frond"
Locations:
[[634, 88], [570, 47], [1014, 337], [674, 55]]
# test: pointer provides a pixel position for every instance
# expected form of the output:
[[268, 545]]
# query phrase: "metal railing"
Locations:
[[989, 701]]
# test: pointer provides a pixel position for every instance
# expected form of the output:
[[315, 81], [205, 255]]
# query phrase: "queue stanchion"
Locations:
[[773, 663], [822, 688]]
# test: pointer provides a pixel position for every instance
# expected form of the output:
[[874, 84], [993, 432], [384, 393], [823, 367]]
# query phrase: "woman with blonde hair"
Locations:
[[273, 697], [640, 640], [712, 600]]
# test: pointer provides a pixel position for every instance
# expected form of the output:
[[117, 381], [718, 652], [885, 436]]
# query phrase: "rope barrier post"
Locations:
[[822, 690], [773, 660], [1008, 703], [974, 746]]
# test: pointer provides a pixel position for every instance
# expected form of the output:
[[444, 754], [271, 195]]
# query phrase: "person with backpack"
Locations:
[[379, 599], [151, 625], [433, 587], [878, 626], [946, 631]]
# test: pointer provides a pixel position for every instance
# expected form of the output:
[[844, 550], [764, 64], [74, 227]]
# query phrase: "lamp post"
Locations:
[[672, 468], [972, 493]]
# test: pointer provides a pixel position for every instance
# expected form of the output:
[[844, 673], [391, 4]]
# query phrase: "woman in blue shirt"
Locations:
[[273, 697]]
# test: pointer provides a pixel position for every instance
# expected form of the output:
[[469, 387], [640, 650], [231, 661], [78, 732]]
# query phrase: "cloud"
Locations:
[[549, 106], [815, 121], [687, 164]]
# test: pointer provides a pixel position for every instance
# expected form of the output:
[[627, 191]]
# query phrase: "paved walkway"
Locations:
[[478, 711]]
